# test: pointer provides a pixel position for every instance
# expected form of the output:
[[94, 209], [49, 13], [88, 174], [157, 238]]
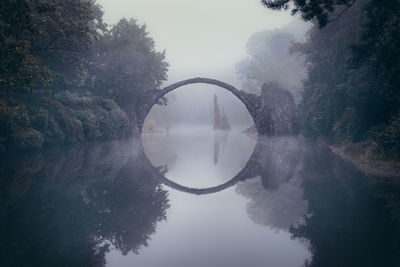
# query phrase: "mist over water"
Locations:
[[264, 198], [199, 157], [101, 167], [212, 229], [192, 106]]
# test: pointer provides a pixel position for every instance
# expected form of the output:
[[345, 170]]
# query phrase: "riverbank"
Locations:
[[362, 158], [38, 122]]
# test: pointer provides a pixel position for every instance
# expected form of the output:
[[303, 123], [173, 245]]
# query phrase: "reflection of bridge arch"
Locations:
[[250, 170], [251, 101]]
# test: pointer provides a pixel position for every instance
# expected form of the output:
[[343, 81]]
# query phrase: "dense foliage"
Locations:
[[124, 63], [65, 75], [352, 91], [41, 39]]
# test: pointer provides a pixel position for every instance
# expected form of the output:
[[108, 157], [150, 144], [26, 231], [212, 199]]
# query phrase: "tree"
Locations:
[[314, 9], [352, 91], [334, 100], [379, 48], [123, 64], [43, 39], [18, 67], [269, 60]]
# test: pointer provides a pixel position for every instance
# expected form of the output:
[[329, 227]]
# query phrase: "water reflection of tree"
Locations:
[[350, 225], [276, 197], [346, 219], [128, 207], [71, 209]]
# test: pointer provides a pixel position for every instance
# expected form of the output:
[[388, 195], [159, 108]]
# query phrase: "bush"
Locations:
[[67, 119], [388, 137]]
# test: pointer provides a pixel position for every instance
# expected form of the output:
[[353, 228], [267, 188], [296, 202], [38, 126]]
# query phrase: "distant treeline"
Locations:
[[66, 76], [352, 92]]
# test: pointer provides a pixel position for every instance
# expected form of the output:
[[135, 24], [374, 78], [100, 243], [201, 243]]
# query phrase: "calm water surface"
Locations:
[[198, 198]]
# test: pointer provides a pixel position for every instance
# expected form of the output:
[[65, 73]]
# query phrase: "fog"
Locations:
[[199, 133], [194, 105], [270, 59], [203, 39]]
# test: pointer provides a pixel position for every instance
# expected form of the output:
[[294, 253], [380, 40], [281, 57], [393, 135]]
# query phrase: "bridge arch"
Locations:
[[251, 101]]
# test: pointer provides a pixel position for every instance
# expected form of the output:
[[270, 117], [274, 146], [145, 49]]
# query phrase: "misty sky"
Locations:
[[201, 38]]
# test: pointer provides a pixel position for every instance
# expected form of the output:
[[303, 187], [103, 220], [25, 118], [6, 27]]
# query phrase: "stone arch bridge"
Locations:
[[252, 102]]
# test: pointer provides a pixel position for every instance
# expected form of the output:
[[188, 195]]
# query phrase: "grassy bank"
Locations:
[[367, 156]]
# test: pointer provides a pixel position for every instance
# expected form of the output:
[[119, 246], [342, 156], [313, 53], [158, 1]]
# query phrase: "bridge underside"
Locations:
[[251, 101]]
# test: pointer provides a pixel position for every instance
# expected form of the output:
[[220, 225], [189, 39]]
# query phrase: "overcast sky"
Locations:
[[201, 38]]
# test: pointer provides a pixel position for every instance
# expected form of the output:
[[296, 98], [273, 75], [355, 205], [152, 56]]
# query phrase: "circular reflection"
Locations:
[[200, 158], [180, 137]]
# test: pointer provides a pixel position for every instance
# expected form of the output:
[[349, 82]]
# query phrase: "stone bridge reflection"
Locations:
[[252, 169]]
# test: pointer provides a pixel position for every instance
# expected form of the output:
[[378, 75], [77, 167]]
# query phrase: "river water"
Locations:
[[196, 198]]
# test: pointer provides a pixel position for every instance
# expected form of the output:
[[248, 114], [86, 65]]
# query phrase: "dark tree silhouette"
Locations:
[[67, 209], [322, 10]]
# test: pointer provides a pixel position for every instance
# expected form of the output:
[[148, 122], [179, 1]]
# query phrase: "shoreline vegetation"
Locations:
[[351, 95], [367, 162], [68, 77], [65, 119]]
